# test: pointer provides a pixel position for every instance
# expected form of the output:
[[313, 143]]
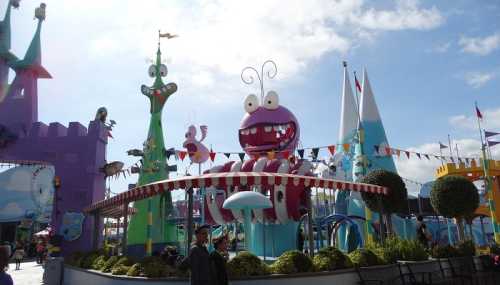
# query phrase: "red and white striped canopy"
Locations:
[[225, 179]]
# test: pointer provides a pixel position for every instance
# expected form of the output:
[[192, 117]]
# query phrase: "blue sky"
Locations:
[[428, 61]]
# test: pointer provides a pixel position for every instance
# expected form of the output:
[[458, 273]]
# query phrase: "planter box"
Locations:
[[78, 276]]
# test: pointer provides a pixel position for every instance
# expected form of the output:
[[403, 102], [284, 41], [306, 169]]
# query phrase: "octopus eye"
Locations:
[[251, 103], [271, 101]]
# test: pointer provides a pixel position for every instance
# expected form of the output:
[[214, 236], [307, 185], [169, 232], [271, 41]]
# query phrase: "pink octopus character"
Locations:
[[198, 153]]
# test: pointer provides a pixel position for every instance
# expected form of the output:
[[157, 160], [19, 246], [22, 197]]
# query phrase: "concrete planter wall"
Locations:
[[77, 276]]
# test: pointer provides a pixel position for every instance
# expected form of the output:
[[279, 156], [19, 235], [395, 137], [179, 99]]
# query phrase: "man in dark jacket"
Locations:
[[198, 260], [218, 259]]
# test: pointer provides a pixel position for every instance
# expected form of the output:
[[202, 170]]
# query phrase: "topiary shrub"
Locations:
[[120, 270], [412, 250], [454, 196], [155, 267], [246, 264], [466, 248], [363, 257], [330, 258], [108, 265], [394, 201], [292, 261], [88, 259], [135, 270], [99, 262], [444, 251]]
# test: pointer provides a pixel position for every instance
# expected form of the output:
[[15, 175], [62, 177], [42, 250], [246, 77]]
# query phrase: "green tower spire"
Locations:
[[33, 57], [148, 226]]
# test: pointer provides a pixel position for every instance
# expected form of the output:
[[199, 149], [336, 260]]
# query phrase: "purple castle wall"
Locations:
[[77, 156]]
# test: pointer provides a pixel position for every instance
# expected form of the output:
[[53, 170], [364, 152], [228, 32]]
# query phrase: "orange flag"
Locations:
[[346, 147]]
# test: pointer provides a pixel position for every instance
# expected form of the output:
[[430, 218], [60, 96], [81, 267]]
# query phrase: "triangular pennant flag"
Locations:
[[467, 160], [315, 152], [212, 156], [285, 154], [427, 156], [301, 153], [418, 155], [398, 152], [472, 161], [331, 149], [376, 148], [346, 147], [182, 154], [227, 154], [452, 159], [460, 160], [242, 156], [407, 154], [492, 143], [436, 157], [271, 155], [490, 134], [442, 146]]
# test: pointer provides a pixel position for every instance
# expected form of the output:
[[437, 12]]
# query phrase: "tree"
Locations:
[[396, 199], [455, 197]]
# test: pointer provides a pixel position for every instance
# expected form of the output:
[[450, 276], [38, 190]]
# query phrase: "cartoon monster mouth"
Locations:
[[263, 137]]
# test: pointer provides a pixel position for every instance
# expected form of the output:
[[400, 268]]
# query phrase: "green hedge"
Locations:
[[330, 258], [292, 261], [363, 257], [394, 249], [246, 264]]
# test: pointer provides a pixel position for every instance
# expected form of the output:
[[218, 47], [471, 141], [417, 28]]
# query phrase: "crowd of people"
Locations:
[[18, 251]]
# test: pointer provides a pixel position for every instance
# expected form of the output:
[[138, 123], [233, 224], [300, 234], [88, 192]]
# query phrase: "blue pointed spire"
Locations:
[[33, 58]]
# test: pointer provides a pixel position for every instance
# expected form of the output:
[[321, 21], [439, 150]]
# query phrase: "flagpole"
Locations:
[[449, 144], [487, 181], [456, 148], [441, 154]]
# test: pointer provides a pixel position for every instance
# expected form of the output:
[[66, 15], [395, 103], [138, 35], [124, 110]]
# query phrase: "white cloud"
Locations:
[[441, 48], [477, 79], [11, 210], [480, 46], [20, 180], [407, 15], [491, 120]]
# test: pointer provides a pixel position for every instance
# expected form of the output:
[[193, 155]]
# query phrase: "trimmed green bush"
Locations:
[[124, 260], [120, 270], [466, 248], [330, 258], [135, 270], [74, 258], [155, 267], [412, 250], [246, 264], [108, 265], [444, 251], [88, 259], [292, 261], [363, 257], [454, 196], [394, 201], [99, 262]]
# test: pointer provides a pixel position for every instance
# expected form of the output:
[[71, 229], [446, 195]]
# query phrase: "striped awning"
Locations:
[[116, 211], [225, 179]]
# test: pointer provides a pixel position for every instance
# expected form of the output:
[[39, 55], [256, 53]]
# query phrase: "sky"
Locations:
[[428, 62]]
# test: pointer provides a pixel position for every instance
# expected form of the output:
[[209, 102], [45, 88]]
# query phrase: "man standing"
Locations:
[[423, 234], [218, 259], [198, 260]]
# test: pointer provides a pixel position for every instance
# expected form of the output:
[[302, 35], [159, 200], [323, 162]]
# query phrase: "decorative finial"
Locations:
[[344, 63], [270, 74], [40, 12], [15, 3]]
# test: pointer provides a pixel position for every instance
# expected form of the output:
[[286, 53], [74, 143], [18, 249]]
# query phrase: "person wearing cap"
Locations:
[[218, 259], [198, 260]]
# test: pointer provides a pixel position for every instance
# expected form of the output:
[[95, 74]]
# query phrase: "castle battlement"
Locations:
[[474, 171]]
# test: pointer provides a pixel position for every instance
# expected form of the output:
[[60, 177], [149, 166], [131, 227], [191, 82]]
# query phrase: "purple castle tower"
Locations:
[[76, 154]]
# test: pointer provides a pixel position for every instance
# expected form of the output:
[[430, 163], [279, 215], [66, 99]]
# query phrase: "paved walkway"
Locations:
[[29, 274]]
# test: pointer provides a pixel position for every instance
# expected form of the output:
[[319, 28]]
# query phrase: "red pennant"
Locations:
[[182, 154], [285, 154], [331, 148], [388, 150], [212, 156], [407, 154]]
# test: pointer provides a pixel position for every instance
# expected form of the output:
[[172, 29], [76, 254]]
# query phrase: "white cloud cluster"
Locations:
[[477, 79], [491, 120], [222, 36], [11, 210], [480, 46]]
